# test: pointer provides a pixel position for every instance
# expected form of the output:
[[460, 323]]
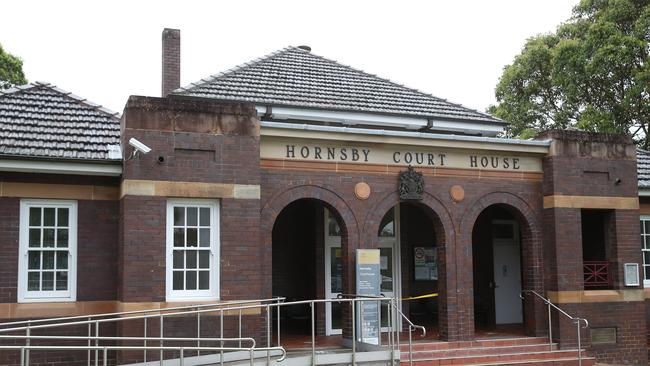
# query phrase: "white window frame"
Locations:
[[25, 296], [215, 269], [646, 283]]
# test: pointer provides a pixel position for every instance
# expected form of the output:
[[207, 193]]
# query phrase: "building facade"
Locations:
[[264, 181]]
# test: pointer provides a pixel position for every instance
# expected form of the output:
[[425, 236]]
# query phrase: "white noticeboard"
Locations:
[[425, 263]]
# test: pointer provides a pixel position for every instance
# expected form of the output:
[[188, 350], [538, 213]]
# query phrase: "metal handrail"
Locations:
[[24, 360], [198, 310], [122, 313], [576, 320], [411, 328]]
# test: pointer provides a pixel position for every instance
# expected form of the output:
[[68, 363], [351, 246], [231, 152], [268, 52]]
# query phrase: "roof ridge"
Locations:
[[78, 99], [234, 69]]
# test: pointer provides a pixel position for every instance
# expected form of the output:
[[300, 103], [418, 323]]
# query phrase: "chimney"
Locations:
[[171, 60]]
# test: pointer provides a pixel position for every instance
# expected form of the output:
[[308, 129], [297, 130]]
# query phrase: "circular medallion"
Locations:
[[362, 190], [457, 193]]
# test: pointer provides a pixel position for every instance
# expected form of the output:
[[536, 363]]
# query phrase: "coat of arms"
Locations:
[[411, 185]]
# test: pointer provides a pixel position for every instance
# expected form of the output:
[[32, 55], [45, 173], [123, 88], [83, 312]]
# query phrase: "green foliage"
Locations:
[[593, 73], [11, 70]]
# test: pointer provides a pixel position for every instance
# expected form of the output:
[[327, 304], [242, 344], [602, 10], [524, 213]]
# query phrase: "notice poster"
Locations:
[[368, 284], [425, 263]]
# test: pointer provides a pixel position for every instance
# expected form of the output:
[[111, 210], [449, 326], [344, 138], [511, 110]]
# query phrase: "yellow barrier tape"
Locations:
[[420, 297]]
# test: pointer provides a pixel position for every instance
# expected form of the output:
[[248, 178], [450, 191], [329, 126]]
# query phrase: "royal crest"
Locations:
[[411, 185]]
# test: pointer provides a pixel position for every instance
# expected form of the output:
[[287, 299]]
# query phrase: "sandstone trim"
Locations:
[[132, 187]]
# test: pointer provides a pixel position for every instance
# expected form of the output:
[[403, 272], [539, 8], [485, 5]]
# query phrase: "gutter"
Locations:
[[533, 144], [51, 166]]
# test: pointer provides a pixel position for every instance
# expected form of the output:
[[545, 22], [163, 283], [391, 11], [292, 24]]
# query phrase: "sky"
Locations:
[[107, 50]]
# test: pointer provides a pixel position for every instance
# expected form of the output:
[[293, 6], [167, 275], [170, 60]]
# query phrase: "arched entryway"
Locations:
[[505, 248], [308, 241], [410, 237]]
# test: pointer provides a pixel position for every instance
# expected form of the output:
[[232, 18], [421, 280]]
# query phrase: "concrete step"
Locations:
[[488, 342], [476, 351], [555, 358]]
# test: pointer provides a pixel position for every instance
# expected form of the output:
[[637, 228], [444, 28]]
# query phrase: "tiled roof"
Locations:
[[643, 168], [40, 120], [296, 77]]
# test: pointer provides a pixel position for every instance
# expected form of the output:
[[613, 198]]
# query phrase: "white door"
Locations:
[[389, 261], [507, 272], [333, 274]]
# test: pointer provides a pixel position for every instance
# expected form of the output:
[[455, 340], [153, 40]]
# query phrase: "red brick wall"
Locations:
[[585, 164], [453, 223]]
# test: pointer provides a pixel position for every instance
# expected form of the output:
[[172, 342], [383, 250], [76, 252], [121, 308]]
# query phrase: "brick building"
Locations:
[[266, 179]]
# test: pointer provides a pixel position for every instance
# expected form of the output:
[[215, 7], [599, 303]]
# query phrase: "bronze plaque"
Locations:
[[603, 335]]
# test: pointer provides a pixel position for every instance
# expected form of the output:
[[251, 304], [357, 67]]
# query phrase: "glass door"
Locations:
[[333, 274], [389, 261]]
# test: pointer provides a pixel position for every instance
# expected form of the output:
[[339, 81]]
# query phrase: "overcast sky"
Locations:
[[106, 51]]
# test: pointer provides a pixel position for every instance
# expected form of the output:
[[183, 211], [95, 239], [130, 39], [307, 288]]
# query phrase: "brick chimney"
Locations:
[[171, 60]]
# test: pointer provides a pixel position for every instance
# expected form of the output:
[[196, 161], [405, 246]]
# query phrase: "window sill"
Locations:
[[29, 300]]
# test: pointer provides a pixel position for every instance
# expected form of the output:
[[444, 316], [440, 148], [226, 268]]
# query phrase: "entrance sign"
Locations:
[[289, 149], [368, 276], [425, 264]]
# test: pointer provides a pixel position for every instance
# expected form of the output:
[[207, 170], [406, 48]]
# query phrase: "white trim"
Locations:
[[380, 120], [215, 272], [330, 242], [25, 296], [644, 192], [60, 167], [646, 283]]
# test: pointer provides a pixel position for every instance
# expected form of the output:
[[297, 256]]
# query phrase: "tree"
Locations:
[[593, 73], [11, 70]]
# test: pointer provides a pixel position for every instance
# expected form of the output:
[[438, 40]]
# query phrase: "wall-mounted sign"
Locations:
[[368, 284], [386, 154], [425, 263], [632, 274]]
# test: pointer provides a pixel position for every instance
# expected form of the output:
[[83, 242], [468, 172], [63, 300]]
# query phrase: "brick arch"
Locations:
[[531, 248], [334, 202], [445, 234]]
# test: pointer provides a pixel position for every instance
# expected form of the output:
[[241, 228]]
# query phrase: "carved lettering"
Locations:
[[365, 154], [355, 155], [344, 154], [473, 161], [396, 157], [317, 153], [304, 152], [290, 151]]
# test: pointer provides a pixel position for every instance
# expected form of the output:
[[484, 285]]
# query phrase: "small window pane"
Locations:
[[34, 260], [191, 237], [646, 257], [178, 280], [34, 216], [190, 280], [62, 218], [179, 237], [190, 256], [48, 281], [62, 259], [647, 226], [48, 260], [48, 238], [387, 225], [178, 259], [192, 216], [35, 238], [205, 216], [33, 281], [204, 237], [179, 216], [333, 228], [49, 216], [61, 281], [204, 259], [204, 280], [62, 238]]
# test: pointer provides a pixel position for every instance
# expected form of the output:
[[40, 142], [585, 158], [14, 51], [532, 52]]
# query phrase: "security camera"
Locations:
[[139, 146]]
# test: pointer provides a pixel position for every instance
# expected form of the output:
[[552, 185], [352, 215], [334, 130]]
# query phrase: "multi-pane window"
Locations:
[[645, 249], [48, 251], [192, 250]]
